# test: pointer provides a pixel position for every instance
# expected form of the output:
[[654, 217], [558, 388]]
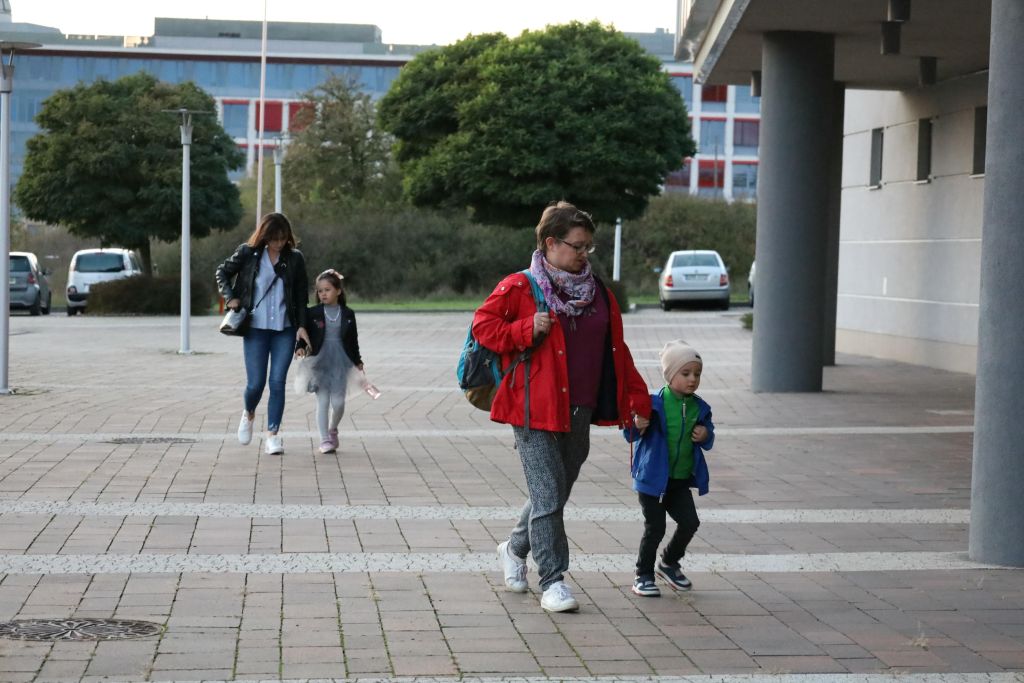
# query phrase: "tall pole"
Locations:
[[186, 230], [617, 262], [278, 158], [263, 118], [6, 85]]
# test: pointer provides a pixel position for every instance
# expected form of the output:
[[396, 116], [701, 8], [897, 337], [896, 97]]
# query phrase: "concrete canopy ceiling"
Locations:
[[725, 37]]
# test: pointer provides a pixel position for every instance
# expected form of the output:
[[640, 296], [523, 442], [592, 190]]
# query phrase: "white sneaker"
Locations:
[[558, 598], [274, 445], [245, 429], [514, 569]]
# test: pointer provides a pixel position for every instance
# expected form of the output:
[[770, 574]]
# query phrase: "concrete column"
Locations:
[[793, 198], [835, 143], [997, 516]]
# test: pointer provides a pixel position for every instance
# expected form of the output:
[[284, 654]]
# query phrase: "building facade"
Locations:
[[222, 57], [891, 141]]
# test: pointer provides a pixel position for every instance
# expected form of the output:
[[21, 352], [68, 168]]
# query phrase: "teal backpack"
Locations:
[[479, 371]]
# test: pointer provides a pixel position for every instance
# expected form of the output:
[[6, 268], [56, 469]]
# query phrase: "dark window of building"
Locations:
[[273, 114], [679, 180], [714, 93], [980, 133], [876, 157], [924, 149], [745, 136], [710, 178]]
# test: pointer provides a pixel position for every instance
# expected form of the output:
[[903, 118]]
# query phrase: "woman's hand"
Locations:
[[700, 433], [541, 325], [302, 335], [642, 423], [234, 304]]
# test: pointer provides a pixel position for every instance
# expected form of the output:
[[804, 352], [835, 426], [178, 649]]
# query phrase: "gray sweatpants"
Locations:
[[551, 463]]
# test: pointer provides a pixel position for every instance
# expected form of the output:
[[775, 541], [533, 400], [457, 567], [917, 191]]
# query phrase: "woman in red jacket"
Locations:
[[581, 373]]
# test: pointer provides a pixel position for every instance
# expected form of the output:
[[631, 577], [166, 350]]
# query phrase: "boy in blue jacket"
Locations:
[[669, 460]]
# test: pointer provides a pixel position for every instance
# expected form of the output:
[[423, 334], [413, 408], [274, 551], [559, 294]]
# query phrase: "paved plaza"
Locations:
[[833, 540]]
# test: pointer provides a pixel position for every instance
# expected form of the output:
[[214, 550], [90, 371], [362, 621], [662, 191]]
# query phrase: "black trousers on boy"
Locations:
[[678, 504]]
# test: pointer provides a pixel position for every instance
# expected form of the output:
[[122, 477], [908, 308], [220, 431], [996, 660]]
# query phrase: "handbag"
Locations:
[[236, 322]]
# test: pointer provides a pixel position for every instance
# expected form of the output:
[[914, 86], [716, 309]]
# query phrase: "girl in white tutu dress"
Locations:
[[331, 365]]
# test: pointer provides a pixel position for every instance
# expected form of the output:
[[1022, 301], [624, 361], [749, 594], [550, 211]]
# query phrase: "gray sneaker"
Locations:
[[514, 569]]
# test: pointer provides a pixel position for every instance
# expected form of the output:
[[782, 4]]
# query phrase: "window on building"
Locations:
[[713, 97], [980, 134], [273, 116], [710, 178], [712, 137], [924, 149], [236, 119], [300, 115], [875, 179], [745, 137], [744, 102], [684, 84], [679, 180], [744, 181]]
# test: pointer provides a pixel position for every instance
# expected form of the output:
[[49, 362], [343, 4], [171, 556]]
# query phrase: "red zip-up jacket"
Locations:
[[504, 324]]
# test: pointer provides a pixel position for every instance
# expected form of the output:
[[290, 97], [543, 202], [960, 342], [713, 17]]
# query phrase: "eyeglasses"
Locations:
[[579, 248]]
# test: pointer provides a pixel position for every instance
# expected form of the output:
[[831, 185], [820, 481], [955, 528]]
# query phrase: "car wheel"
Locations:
[[665, 306], [71, 311], [37, 306], [49, 304], [724, 305]]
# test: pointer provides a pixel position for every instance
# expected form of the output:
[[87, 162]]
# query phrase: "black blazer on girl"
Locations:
[[316, 327]]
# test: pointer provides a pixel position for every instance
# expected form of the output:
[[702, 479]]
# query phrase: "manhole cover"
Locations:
[[122, 440], [77, 629]]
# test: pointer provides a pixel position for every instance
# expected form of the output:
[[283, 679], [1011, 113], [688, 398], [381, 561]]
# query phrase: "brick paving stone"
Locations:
[[789, 664], [921, 620]]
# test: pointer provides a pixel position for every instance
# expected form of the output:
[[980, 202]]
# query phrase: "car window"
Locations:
[[691, 260], [19, 264], [134, 261], [99, 263]]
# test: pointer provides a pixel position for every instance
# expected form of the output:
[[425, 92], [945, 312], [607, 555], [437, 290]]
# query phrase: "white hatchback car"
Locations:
[[90, 266], [694, 276]]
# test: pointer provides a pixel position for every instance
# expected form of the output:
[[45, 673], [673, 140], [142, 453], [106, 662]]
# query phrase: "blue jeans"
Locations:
[[259, 346]]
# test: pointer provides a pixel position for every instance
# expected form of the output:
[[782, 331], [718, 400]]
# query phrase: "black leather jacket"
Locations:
[[236, 279], [316, 326]]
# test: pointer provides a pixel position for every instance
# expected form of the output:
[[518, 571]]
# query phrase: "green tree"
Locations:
[[107, 164], [340, 155], [503, 126]]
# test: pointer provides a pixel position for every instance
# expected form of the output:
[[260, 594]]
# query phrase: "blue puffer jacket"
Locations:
[[650, 462]]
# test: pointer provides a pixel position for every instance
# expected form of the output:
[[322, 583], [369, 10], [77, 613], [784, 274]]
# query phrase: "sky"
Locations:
[[401, 21]]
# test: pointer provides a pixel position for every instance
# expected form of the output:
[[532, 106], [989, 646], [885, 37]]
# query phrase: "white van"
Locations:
[[90, 266]]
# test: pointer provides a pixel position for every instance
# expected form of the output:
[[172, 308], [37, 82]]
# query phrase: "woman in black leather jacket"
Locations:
[[267, 276]]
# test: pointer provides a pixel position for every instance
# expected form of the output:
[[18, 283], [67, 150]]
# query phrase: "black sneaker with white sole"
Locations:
[[645, 586], [673, 577]]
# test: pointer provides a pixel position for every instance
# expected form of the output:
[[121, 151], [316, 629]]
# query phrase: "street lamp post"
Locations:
[[7, 49], [617, 257], [186, 230], [186, 223]]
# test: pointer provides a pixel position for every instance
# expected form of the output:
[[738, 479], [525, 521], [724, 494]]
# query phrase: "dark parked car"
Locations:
[[28, 285]]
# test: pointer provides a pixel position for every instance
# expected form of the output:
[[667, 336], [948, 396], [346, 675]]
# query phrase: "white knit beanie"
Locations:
[[675, 355]]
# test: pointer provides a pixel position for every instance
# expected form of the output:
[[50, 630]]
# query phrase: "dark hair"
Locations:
[[558, 219], [272, 225], [336, 280]]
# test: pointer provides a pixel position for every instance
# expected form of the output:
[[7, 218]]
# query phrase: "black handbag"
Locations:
[[236, 322]]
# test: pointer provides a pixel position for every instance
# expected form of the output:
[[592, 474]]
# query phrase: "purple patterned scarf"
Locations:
[[579, 287]]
